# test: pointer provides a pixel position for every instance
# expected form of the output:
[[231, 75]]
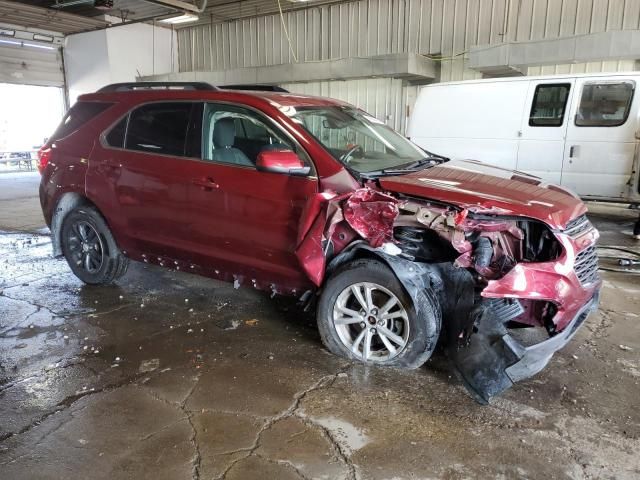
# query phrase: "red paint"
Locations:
[[283, 159], [553, 281], [274, 230], [371, 214], [483, 188]]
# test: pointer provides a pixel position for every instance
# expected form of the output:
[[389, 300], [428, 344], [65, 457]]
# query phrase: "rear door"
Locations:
[[601, 143], [141, 173], [542, 142]]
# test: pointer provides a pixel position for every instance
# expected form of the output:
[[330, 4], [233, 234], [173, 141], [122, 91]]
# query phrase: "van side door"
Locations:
[[601, 143], [544, 127]]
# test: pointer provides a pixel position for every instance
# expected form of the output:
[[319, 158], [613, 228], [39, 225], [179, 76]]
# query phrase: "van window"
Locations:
[[159, 128], [604, 104], [549, 104], [77, 116]]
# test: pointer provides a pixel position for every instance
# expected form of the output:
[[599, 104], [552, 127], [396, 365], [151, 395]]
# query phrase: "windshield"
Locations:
[[358, 140]]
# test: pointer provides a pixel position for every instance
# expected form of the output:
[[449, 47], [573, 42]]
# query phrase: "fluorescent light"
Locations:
[[25, 44], [42, 38], [185, 18]]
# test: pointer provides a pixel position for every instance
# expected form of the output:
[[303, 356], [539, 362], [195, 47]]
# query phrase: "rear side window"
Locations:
[[549, 105], [115, 138], [604, 104], [78, 115], [159, 128]]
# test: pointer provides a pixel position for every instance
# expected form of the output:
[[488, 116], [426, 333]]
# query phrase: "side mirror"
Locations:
[[282, 161]]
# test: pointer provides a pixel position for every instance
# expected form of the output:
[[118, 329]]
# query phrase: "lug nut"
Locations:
[[373, 330], [362, 324]]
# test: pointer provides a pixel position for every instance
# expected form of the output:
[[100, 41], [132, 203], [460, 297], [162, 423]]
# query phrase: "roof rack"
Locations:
[[132, 86], [257, 88]]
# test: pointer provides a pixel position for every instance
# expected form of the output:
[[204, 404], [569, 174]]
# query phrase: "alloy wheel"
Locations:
[[371, 322], [85, 246]]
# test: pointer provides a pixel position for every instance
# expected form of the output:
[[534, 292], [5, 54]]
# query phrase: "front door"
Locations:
[[251, 217], [601, 143], [542, 142]]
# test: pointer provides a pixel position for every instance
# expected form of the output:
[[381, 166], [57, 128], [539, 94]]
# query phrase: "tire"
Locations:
[[414, 336], [90, 249]]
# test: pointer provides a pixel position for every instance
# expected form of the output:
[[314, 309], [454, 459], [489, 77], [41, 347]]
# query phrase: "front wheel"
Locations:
[[365, 314], [90, 249]]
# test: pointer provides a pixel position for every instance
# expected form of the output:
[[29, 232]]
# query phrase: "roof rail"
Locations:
[[257, 88], [132, 86]]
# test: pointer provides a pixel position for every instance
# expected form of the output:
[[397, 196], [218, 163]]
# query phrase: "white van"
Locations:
[[580, 131]]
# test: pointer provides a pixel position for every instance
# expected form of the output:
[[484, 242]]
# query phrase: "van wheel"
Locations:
[[365, 314], [90, 249]]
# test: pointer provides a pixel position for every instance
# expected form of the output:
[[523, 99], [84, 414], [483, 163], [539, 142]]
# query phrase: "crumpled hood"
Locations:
[[487, 189]]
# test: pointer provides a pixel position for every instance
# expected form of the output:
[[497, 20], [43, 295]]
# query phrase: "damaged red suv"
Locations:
[[315, 198]]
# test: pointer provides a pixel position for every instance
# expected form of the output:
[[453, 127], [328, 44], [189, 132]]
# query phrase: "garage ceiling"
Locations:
[[73, 16]]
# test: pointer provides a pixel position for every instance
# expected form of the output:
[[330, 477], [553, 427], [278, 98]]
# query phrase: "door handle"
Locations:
[[206, 184], [573, 151]]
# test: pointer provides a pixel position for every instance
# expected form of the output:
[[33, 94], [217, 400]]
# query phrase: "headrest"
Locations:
[[224, 133]]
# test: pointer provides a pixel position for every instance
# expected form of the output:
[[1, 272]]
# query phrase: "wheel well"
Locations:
[[68, 202]]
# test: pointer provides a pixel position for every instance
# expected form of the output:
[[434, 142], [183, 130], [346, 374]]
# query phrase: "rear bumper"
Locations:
[[534, 358]]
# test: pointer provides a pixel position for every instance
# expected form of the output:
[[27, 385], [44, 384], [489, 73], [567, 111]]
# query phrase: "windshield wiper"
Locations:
[[407, 168]]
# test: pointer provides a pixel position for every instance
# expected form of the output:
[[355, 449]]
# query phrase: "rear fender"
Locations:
[[67, 202]]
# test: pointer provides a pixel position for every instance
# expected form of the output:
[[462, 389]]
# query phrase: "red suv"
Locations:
[[315, 198]]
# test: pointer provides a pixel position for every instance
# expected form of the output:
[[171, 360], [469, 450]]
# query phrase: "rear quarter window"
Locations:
[[77, 116]]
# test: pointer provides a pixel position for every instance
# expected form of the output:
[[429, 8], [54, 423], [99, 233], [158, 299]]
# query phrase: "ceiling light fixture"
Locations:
[[184, 18]]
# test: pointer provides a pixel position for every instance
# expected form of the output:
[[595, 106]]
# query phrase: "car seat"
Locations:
[[224, 137]]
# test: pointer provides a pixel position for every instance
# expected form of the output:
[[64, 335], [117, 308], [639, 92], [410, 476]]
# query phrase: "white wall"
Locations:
[[118, 54]]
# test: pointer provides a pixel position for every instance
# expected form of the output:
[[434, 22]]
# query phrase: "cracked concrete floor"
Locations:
[[167, 375]]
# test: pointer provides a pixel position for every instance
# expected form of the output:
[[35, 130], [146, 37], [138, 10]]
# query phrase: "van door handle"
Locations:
[[573, 151], [206, 184]]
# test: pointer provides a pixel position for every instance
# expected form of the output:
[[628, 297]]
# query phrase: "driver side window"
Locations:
[[236, 136]]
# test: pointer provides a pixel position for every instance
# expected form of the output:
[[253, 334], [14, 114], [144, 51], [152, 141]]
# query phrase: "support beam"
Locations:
[[518, 56], [409, 66]]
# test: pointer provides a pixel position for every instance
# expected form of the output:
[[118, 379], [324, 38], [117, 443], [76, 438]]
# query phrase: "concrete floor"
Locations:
[[168, 375]]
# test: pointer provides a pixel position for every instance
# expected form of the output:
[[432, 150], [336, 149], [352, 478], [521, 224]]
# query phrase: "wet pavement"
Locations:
[[168, 375]]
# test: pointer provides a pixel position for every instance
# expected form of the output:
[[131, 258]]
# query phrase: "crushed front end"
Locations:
[[512, 290], [530, 288]]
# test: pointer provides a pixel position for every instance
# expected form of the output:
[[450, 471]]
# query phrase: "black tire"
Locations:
[[90, 249], [423, 330]]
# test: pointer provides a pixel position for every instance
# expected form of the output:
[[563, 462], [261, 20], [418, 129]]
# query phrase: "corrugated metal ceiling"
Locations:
[[81, 15], [30, 16]]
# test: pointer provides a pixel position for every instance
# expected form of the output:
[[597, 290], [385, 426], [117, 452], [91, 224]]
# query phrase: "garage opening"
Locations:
[[28, 116]]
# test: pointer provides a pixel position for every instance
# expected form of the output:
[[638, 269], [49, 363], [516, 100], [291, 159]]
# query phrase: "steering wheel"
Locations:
[[346, 158]]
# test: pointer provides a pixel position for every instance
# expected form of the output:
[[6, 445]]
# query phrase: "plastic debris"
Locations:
[[252, 323]]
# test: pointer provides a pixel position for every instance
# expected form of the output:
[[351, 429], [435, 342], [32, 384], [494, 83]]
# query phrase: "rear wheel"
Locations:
[[90, 249], [365, 314]]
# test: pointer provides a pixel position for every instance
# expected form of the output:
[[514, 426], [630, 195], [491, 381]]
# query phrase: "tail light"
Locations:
[[44, 155]]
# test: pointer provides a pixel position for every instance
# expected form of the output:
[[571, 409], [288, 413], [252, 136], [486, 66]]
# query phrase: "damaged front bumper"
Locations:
[[534, 358], [494, 359]]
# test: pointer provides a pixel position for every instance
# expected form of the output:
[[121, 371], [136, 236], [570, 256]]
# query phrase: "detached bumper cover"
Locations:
[[535, 358], [494, 360]]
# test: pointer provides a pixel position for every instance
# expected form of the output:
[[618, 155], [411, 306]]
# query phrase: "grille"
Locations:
[[586, 266], [577, 226], [506, 309]]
